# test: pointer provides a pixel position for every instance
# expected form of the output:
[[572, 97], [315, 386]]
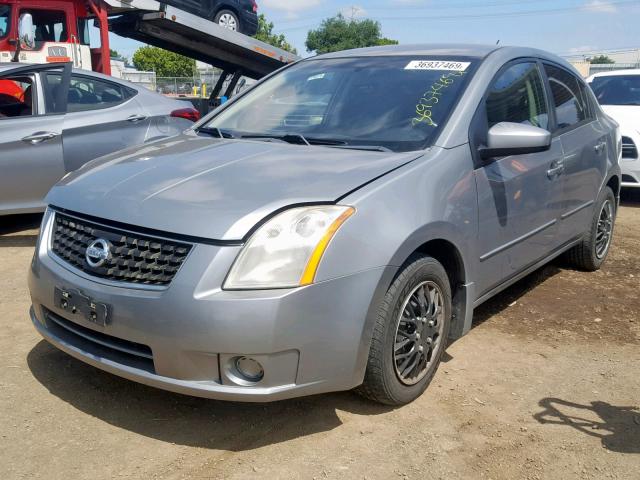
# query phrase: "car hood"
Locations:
[[212, 188]]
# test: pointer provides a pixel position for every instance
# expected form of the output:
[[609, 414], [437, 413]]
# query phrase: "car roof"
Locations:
[[616, 73], [6, 66], [434, 49]]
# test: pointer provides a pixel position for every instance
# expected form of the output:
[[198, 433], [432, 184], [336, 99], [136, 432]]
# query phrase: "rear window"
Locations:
[[48, 26], [617, 89]]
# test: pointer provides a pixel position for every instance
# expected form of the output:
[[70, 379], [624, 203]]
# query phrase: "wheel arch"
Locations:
[[615, 184], [231, 8]]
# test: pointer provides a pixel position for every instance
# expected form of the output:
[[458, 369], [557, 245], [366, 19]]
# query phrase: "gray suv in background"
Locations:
[[331, 228]]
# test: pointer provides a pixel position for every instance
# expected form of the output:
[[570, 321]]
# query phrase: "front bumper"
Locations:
[[309, 340]]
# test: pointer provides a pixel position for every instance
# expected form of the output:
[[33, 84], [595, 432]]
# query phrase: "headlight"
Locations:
[[286, 251]]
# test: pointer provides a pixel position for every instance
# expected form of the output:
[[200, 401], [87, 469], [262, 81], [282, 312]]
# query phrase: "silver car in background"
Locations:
[[331, 228], [54, 120]]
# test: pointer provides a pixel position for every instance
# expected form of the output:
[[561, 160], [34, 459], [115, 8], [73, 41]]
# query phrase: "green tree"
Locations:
[[265, 34], [599, 59], [164, 63], [338, 33]]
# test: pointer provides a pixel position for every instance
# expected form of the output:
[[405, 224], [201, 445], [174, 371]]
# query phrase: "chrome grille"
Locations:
[[134, 258]]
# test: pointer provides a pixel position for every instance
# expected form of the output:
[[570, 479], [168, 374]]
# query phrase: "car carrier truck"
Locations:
[[41, 31]]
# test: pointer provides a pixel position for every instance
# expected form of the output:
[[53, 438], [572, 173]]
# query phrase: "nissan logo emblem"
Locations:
[[98, 252]]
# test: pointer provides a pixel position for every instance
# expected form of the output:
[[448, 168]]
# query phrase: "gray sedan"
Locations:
[[332, 227], [53, 120]]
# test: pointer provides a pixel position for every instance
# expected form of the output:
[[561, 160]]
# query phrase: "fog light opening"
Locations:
[[249, 369]]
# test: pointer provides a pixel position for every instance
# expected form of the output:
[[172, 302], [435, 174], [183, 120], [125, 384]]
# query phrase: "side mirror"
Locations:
[[506, 138], [25, 32]]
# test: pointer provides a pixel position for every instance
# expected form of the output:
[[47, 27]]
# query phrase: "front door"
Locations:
[[519, 195], [31, 159]]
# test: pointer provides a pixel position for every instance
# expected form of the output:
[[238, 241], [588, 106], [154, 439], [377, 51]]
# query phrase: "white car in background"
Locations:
[[618, 92]]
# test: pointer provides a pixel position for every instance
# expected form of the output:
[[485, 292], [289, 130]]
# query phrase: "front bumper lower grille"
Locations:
[[629, 148], [99, 344], [133, 258]]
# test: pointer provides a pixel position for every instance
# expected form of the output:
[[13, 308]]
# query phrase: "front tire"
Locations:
[[228, 19], [410, 335], [590, 254]]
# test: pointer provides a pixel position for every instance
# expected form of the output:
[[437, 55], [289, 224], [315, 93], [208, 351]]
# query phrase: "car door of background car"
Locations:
[[31, 158], [517, 197], [584, 142], [102, 117]]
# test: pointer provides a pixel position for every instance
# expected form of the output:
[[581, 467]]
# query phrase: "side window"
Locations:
[[87, 93], [16, 97], [571, 107], [517, 96]]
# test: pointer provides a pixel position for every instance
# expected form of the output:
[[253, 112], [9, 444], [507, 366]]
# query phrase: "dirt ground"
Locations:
[[545, 386]]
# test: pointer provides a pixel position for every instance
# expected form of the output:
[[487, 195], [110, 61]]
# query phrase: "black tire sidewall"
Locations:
[[216, 19], [421, 270], [605, 194]]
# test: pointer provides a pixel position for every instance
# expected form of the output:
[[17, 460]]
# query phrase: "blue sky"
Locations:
[[561, 26]]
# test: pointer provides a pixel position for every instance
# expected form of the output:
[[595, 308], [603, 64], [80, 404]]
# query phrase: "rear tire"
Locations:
[[590, 254], [412, 326], [228, 19]]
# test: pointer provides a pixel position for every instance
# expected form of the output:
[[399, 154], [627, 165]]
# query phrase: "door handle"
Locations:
[[39, 137], [599, 148], [555, 171], [136, 118]]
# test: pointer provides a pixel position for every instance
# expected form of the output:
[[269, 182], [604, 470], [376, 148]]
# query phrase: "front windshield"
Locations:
[[397, 103], [617, 90], [5, 20]]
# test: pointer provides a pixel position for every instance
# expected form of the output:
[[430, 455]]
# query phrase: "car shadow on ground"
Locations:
[[630, 197], [504, 299], [12, 224], [617, 427], [213, 424], [185, 420]]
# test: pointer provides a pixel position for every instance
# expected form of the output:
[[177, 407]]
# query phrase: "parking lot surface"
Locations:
[[546, 385]]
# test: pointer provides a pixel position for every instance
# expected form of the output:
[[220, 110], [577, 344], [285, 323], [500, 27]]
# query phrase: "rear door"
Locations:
[[31, 155], [517, 196], [102, 117], [584, 142]]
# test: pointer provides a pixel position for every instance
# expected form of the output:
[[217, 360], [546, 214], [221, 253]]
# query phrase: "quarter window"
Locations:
[[568, 98], [91, 94], [517, 96]]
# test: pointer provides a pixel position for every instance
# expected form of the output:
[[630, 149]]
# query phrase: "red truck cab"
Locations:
[[60, 29]]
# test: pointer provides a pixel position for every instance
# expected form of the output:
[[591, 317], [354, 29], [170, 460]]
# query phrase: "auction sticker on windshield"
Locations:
[[437, 65]]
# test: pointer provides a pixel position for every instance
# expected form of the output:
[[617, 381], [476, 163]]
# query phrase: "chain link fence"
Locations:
[[198, 86]]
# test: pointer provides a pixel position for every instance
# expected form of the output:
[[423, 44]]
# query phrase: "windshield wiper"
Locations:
[[372, 148], [215, 132], [297, 139]]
